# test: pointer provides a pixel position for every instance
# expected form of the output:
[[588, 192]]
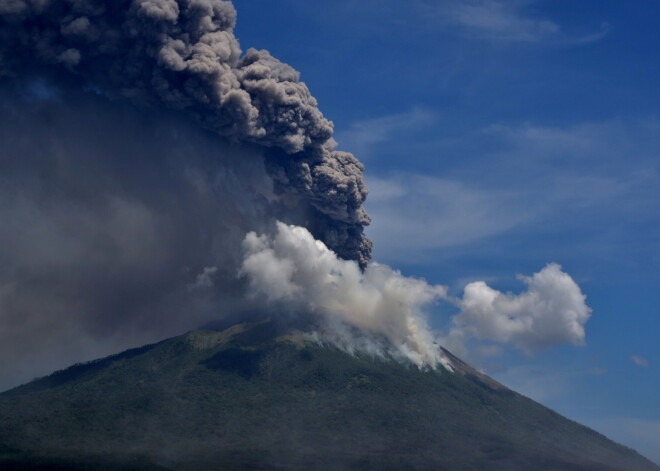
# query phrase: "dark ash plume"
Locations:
[[182, 54], [138, 146]]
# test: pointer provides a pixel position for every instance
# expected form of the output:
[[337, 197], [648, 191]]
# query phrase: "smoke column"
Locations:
[[139, 146]]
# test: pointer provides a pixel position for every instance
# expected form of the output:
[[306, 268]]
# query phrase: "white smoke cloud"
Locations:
[[551, 311], [292, 267]]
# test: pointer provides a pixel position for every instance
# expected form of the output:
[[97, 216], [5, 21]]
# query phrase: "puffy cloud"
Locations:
[[378, 310], [551, 311]]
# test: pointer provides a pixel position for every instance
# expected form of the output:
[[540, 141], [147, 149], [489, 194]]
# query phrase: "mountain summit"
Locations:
[[256, 396]]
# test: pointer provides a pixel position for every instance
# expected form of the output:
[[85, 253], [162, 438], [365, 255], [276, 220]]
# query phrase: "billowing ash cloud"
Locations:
[[385, 307], [182, 55], [551, 311]]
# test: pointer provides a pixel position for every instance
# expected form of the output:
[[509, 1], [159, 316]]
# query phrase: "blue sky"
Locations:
[[499, 137]]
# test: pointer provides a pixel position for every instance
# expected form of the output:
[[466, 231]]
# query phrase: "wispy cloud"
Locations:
[[524, 178], [612, 163], [639, 360], [412, 213], [363, 137], [506, 21]]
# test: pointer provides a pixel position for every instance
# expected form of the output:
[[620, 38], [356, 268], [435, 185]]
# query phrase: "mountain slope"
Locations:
[[254, 397]]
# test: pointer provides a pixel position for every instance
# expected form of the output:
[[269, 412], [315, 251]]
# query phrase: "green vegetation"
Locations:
[[251, 398]]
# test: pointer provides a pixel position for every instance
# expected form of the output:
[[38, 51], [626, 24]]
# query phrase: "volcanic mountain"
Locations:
[[258, 396]]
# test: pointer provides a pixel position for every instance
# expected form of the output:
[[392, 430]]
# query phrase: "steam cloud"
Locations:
[[293, 268]]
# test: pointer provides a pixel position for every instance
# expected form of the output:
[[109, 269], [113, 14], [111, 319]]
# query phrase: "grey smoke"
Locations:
[[182, 55], [119, 227]]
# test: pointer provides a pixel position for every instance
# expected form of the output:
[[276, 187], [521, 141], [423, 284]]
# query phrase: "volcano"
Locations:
[[257, 396]]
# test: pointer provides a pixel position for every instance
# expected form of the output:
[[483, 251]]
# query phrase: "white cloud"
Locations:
[[505, 21], [487, 351], [639, 360], [551, 311], [294, 269]]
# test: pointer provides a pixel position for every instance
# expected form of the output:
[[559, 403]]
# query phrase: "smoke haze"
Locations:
[[119, 227]]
